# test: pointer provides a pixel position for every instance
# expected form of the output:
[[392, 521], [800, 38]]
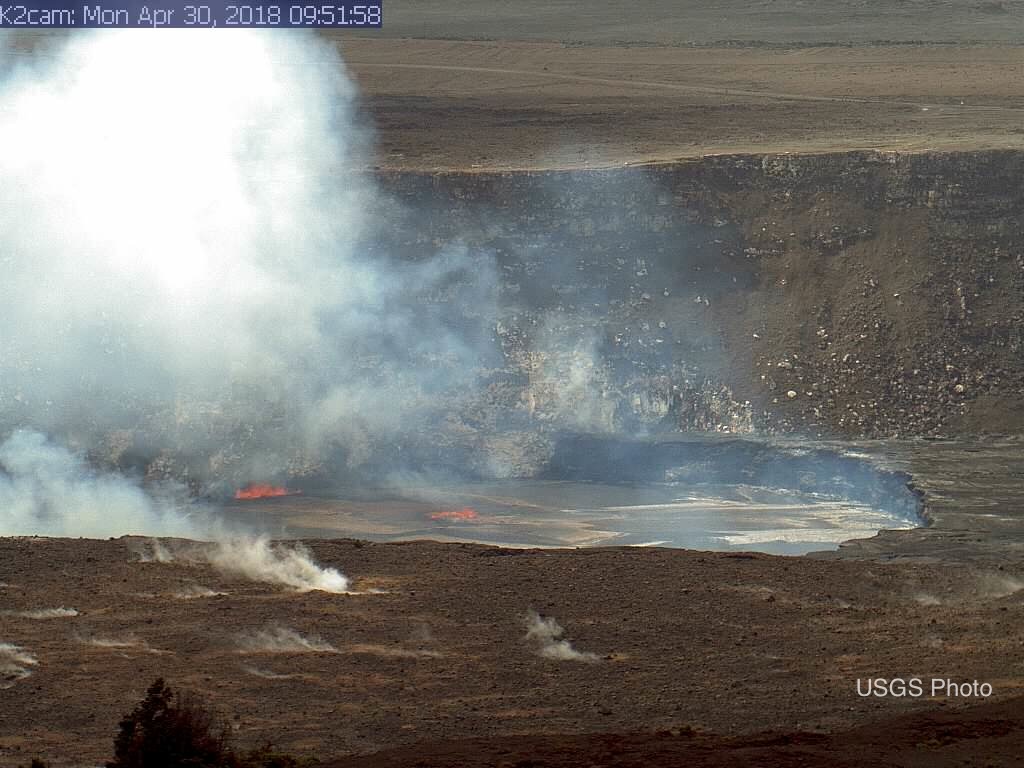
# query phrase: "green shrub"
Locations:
[[173, 731], [168, 731]]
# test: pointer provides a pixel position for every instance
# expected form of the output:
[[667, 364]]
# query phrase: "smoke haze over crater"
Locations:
[[179, 248], [46, 490]]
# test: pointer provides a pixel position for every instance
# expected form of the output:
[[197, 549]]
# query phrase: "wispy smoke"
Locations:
[[125, 643], [196, 592], [47, 490], [569, 383], [186, 286], [283, 640], [252, 557], [546, 633], [267, 674], [113, 642], [391, 651], [153, 551], [996, 585], [983, 586], [15, 664], [44, 613], [288, 565]]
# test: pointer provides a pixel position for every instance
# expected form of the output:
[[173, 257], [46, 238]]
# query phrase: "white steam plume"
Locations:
[[125, 643], [43, 613], [15, 664], [291, 566], [283, 640], [153, 551], [545, 633], [255, 558], [196, 592], [47, 490], [182, 263]]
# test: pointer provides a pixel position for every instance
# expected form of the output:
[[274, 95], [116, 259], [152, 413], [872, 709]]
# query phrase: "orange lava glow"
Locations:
[[454, 514], [263, 491]]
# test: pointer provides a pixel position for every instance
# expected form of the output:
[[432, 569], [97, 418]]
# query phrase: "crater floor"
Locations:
[[434, 648]]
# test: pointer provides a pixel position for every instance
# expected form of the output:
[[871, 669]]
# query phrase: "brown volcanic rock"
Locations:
[[990, 734], [862, 294], [732, 643]]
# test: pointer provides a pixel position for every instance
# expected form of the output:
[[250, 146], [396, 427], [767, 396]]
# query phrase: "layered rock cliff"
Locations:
[[846, 295], [854, 294]]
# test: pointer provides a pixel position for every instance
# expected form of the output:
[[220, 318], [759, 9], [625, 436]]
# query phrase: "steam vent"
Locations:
[[588, 384]]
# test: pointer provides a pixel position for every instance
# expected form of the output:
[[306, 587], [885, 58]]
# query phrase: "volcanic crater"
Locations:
[[673, 358]]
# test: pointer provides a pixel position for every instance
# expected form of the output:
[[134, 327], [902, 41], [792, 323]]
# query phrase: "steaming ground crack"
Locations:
[[124, 643], [283, 640], [983, 586], [195, 592], [293, 566], [15, 664], [545, 633], [266, 674], [43, 613], [256, 559]]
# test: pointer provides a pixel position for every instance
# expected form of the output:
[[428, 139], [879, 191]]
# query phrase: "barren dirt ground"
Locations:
[[486, 105], [706, 22], [732, 643], [456, 84]]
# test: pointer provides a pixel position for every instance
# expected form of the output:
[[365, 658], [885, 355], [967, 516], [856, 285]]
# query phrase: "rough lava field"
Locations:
[[432, 645]]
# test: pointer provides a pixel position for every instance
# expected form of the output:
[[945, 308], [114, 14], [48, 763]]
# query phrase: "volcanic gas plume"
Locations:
[[546, 635], [251, 557], [15, 664], [186, 291], [186, 284], [47, 490], [283, 640]]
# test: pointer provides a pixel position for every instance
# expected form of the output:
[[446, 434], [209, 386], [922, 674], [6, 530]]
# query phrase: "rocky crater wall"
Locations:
[[860, 294], [838, 296]]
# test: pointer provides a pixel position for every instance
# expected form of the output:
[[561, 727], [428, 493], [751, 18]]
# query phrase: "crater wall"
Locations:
[[860, 294]]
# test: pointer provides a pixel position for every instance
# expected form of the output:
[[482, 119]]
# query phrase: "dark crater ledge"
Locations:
[[973, 499]]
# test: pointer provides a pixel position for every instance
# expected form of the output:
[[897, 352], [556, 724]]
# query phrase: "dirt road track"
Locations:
[[685, 87], [456, 105]]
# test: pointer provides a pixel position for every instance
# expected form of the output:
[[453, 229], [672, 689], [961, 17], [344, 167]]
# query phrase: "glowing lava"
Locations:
[[454, 514], [263, 491]]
